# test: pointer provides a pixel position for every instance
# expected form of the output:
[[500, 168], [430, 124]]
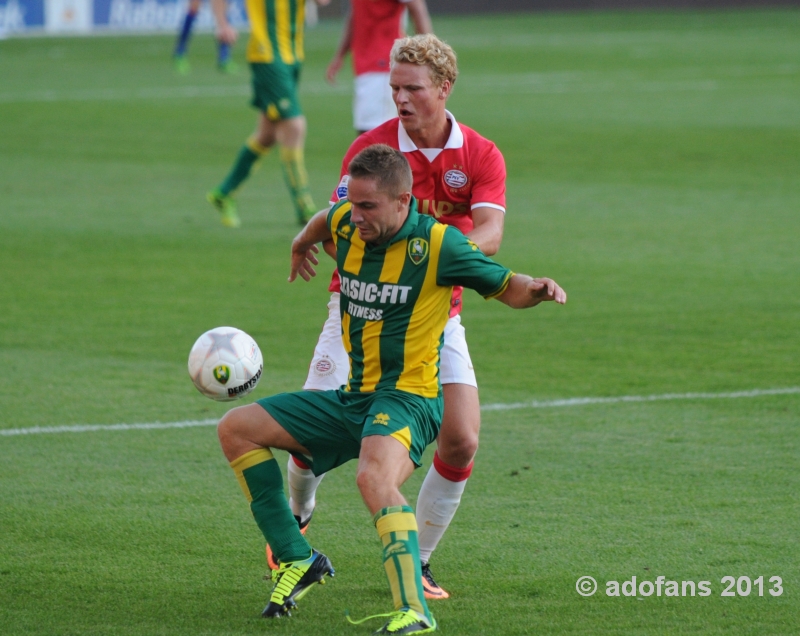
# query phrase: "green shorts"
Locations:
[[330, 424], [275, 89]]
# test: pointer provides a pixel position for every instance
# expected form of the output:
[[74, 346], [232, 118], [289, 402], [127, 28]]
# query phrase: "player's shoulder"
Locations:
[[475, 141], [428, 227], [339, 215]]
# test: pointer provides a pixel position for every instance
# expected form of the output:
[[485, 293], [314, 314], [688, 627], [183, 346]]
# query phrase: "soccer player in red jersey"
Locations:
[[370, 31], [459, 177]]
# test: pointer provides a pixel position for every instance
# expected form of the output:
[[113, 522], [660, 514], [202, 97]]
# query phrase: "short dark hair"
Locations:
[[384, 164]]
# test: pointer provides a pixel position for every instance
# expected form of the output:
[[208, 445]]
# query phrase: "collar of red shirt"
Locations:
[[456, 139]]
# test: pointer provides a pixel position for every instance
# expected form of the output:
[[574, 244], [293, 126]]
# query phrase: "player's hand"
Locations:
[[303, 261], [227, 34], [544, 289], [333, 69]]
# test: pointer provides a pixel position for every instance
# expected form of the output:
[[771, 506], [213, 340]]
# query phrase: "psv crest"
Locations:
[[418, 250]]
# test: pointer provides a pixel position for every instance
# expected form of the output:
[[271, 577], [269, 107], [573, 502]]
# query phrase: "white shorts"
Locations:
[[330, 366], [372, 101]]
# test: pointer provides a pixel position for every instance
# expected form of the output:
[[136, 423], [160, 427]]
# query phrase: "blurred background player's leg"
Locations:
[[224, 62], [184, 35], [280, 121]]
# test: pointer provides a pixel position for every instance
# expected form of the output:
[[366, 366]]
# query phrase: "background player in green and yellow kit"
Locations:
[[398, 268], [275, 55]]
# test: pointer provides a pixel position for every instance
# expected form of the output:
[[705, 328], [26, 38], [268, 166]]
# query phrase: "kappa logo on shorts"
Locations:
[[381, 418], [455, 179], [418, 250], [325, 367]]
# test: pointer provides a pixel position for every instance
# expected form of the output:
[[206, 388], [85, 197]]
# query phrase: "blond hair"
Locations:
[[427, 50]]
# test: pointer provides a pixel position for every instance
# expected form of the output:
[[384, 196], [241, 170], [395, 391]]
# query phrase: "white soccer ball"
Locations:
[[225, 364]]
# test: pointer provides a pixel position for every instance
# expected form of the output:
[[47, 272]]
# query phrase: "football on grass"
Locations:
[[225, 364]]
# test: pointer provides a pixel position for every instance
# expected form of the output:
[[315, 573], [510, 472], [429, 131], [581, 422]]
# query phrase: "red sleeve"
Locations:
[[490, 181]]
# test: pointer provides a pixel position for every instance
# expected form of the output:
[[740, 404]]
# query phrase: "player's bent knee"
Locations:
[[230, 427], [373, 486], [458, 451]]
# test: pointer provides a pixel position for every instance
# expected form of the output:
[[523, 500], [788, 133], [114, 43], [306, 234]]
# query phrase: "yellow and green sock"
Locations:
[[248, 156], [260, 479], [397, 528], [296, 177]]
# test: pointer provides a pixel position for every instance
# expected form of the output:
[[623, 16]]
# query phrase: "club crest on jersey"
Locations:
[[418, 250], [344, 232], [341, 189], [455, 179]]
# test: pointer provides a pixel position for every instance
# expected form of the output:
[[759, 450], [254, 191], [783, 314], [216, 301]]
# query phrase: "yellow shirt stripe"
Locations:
[[259, 48], [283, 30], [393, 262], [371, 345], [337, 219], [428, 319], [355, 254], [348, 347], [299, 25]]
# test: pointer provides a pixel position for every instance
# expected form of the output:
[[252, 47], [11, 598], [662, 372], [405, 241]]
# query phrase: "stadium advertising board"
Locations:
[[86, 16]]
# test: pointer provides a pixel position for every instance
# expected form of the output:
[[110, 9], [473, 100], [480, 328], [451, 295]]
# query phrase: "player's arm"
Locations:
[[341, 50], [488, 231], [463, 263], [420, 18], [225, 32], [304, 246], [523, 291]]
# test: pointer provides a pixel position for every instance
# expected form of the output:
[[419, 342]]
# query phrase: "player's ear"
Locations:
[[445, 89], [404, 199]]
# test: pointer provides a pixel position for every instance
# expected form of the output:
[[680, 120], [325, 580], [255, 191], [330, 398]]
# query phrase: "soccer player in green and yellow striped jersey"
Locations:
[[397, 270], [275, 55]]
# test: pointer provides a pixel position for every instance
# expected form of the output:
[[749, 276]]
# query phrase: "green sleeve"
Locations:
[[462, 263], [332, 213]]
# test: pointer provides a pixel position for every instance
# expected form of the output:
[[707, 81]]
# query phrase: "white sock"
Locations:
[[436, 506], [302, 490]]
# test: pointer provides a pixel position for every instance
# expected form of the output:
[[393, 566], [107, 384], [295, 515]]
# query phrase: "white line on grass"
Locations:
[[537, 404], [533, 404]]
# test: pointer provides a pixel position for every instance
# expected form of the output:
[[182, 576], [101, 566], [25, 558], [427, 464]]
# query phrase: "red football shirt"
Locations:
[[376, 24], [469, 172]]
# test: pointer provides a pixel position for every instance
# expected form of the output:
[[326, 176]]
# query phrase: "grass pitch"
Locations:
[[653, 162]]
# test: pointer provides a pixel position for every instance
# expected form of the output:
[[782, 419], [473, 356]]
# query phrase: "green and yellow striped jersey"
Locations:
[[395, 298], [276, 31]]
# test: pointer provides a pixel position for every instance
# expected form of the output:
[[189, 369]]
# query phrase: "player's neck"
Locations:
[[434, 136]]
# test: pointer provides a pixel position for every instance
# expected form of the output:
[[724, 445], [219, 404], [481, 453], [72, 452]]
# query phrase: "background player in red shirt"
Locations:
[[459, 177], [369, 33]]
